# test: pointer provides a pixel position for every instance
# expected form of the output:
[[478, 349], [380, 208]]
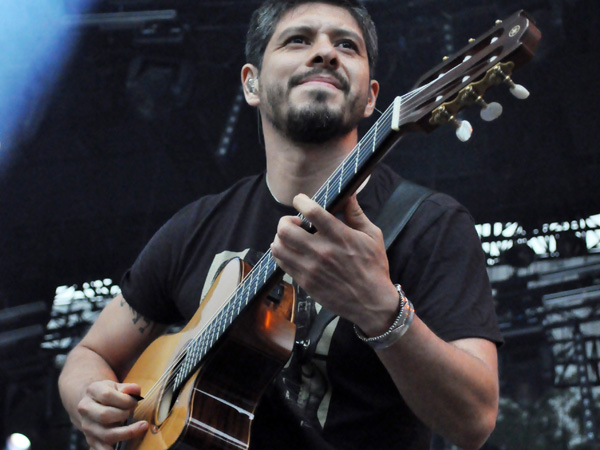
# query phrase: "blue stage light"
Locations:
[[35, 42]]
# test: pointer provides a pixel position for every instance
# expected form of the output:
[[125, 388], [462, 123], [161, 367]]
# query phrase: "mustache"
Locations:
[[295, 80]]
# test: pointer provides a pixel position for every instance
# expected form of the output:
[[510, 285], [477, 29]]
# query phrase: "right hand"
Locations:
[[104, 409]]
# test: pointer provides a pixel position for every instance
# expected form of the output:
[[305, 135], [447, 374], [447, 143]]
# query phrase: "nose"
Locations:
[[324, 54]]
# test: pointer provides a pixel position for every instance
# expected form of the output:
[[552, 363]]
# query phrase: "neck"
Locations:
[[294, 168]]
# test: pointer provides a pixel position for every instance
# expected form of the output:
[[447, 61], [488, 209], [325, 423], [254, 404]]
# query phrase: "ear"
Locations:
[[250, 71], [373, 92]]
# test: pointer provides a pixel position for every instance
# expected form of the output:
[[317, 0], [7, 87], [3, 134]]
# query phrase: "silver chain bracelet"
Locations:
[[398, 328]]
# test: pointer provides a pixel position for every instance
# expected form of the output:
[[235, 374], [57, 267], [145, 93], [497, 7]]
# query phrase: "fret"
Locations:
[[245, 289], [229, 318], [239, 300], [262, 272], [204, 347], [396, 106], [375, 137]]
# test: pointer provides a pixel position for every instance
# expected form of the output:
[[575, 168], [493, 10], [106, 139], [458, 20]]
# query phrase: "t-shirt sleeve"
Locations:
[[146, 285], [443, 272]]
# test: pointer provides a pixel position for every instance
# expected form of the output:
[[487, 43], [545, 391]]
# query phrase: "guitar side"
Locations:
[[215, 407]]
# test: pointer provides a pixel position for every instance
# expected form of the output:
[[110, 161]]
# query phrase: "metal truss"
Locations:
[[572, 324], [559, 310], [551, 240], [73, 311]]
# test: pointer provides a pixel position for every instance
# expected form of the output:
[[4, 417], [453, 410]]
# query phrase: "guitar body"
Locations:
[[215, 407]]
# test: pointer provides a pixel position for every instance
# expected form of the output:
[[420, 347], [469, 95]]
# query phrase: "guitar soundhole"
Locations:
[[165, 405]]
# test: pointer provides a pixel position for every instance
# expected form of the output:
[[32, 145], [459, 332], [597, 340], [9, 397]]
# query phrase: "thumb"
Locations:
[[355, 217]]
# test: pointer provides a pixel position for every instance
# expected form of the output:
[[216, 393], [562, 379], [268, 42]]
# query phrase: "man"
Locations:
[[309, 73]]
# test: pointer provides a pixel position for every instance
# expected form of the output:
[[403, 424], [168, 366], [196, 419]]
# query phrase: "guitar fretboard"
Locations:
[[266, 270]]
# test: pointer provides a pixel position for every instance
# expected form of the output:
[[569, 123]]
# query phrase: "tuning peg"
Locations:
[[519, 91], [464, 130], [441, 116], [490, 111]]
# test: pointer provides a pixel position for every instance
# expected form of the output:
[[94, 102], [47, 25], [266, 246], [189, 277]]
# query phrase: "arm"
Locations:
[[90, 385], [451, 387]]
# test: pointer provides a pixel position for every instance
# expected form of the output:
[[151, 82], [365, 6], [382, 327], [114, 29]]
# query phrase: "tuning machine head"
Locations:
[[471, 94], [500, 73], [441, 116]]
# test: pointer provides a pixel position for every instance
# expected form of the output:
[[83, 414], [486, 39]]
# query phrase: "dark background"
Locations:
[[133, 130]]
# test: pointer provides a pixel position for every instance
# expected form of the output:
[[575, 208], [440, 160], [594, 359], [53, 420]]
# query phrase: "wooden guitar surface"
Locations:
[[215, 407]]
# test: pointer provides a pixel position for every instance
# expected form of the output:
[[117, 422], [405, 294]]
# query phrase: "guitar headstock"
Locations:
[[462, 79]]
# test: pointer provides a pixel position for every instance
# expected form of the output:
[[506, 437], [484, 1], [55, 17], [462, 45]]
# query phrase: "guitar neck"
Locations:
[[342, 183], [361, 161], [265, 274]]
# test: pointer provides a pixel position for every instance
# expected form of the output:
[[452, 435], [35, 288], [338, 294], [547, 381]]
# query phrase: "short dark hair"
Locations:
[[265, 19]]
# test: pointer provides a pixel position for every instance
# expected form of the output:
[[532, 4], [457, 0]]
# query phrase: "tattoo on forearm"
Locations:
[[139, 320]]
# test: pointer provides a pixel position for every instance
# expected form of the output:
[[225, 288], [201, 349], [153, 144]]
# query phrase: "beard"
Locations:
[[315, 122]]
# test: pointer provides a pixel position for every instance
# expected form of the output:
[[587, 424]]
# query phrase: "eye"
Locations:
[[348, 45], [296, 40]]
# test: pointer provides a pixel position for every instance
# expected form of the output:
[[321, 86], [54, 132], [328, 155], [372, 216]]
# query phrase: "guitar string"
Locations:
[[267, 257], [266, 262], [260, 266]]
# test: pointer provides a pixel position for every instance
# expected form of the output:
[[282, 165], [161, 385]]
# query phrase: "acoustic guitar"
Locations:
[[201, 386]]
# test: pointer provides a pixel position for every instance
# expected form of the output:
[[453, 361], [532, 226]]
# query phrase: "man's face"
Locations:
[[314, 79]]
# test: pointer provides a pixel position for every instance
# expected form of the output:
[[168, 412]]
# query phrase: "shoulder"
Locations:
[[441, 209], [222, 202], [384, 182]]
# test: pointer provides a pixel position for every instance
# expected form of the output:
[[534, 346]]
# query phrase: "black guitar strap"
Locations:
[[394, 215]]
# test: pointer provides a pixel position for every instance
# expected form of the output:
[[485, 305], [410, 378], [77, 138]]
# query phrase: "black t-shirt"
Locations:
[[343, 398]]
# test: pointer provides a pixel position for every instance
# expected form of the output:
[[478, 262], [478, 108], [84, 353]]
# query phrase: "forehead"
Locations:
[[318, 16]]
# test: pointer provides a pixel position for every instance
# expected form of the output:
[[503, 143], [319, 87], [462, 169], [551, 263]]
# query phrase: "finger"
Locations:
[[108, 394], [291, 236], [323, 221], [102, 437], [286, 257], [353, 213], [356, 218], [128, 432], [131, 389], [94, 412]]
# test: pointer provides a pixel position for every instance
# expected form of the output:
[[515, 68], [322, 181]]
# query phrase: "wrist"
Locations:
[[381, 315], [396, 330]]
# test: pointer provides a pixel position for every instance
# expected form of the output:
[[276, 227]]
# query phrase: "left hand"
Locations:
[[343, 266]]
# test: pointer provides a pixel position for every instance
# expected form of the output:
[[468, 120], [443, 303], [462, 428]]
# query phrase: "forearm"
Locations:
[[82, 367], [454, 392]]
